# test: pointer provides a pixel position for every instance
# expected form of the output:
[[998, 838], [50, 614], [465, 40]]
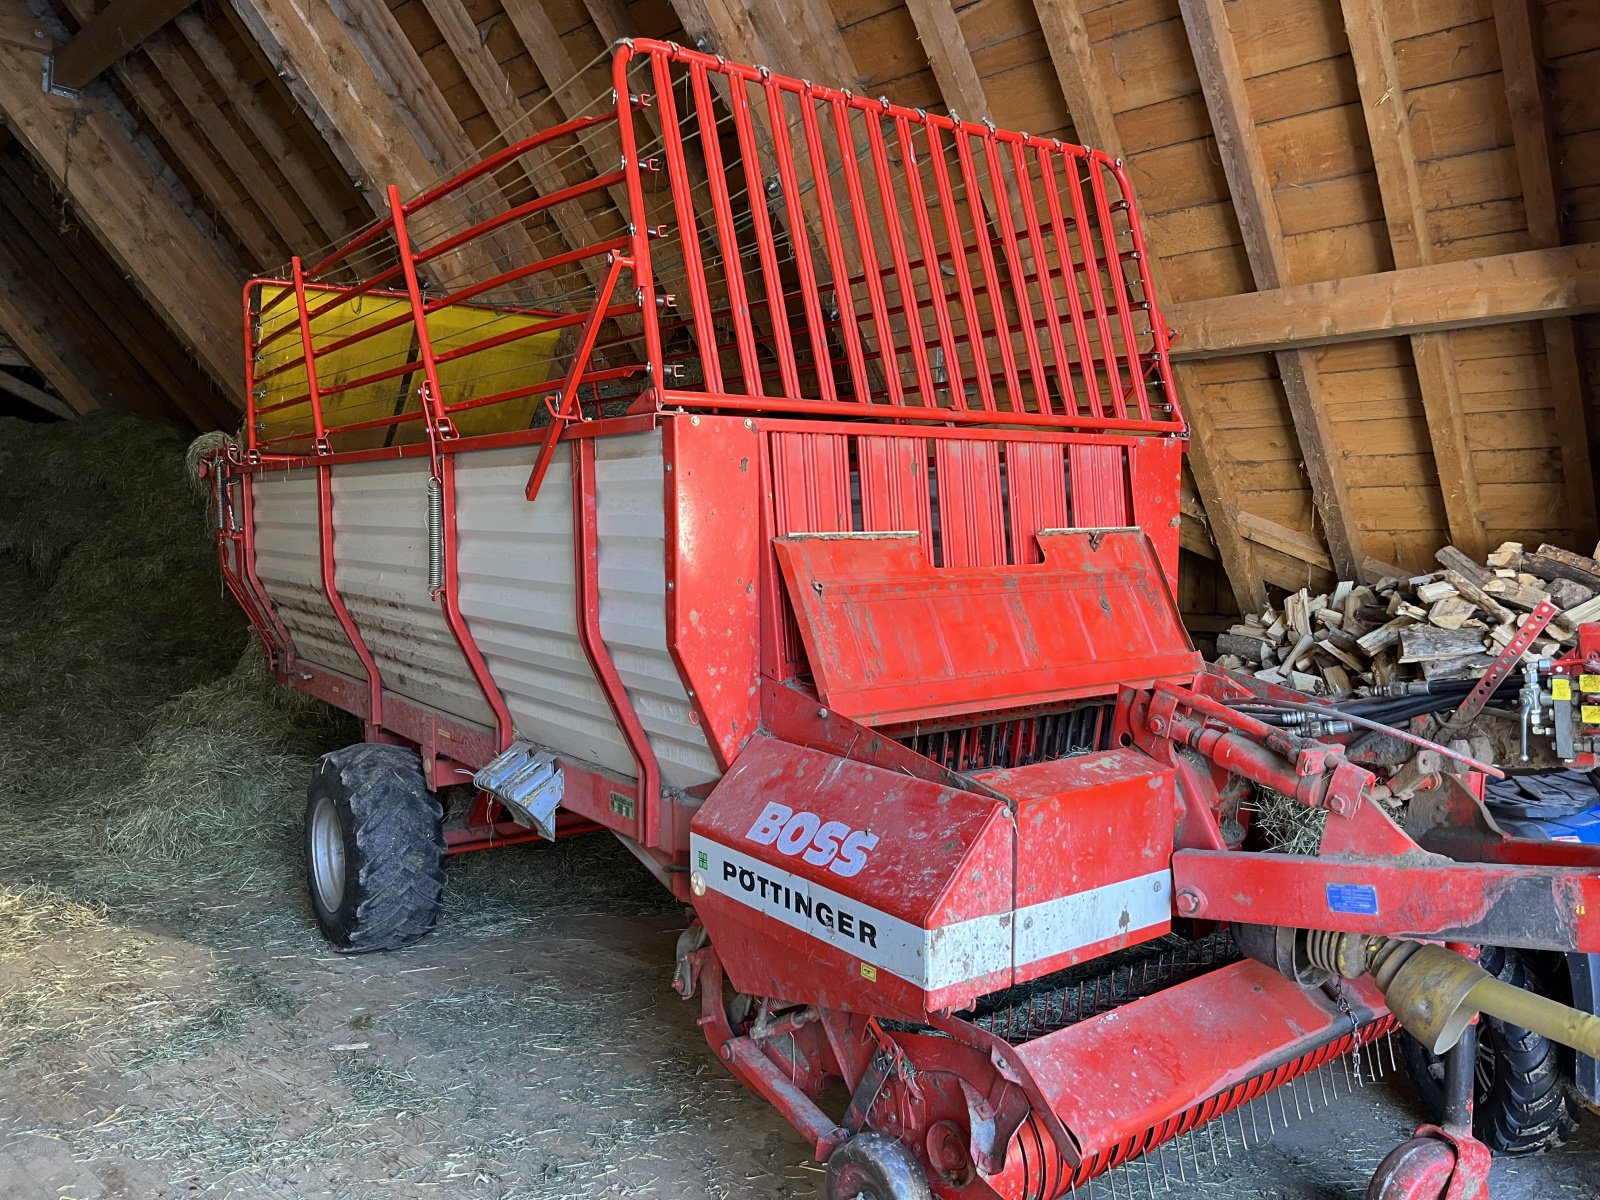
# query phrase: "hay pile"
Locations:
[[138, 727]]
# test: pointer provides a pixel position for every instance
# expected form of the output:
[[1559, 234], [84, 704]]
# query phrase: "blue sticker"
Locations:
[[1353, 898]]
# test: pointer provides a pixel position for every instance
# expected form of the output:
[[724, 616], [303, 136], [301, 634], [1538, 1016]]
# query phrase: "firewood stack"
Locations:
[[1450, 624]]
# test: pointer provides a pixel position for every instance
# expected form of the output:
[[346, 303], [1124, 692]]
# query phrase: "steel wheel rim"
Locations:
[[327, 855]]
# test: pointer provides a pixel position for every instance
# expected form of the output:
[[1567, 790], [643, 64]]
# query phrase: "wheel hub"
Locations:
[[327, 858]]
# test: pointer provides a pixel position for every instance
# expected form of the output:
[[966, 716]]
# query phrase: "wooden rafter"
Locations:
[[1521, 63], [82, 279], [38, 397], [494, 89], [256, 180], [107, 36], [1072, 55], [84, 147], [371, 119], [1411, 242], [229, 203], [33, 338], [1499, 289], [326, 208], [1222, 80]]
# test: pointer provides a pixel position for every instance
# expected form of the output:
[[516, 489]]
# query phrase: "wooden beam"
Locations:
[[326, 208], [86, 151], [946, 49], [1066, 36], [1383, 104], [107, 36], [257, 180], [117, 317], [1222, 79], [1522, 66], [37, 397], [370, 119], [1497, 290], [488, 79]]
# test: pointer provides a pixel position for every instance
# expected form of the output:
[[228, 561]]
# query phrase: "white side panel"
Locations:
[[516, 567], [380, 547], [630, 489], [289, 564], [515, 562]]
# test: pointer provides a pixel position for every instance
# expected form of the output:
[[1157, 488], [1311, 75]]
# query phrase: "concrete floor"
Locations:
[[208, 1046]]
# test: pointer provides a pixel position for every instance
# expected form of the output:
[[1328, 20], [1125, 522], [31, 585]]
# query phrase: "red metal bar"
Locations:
[[861, 217], [1043, 277], [766, 254], [527, 209], [879, 154], [930, 254], [330, 589], [1019, 289], [705, 334], [501, 158], [727, 234], [1108, 347], [1158, 326], [639, 259], [837, 265], [1119, 282], [908, 412], [991, 274], [799, 242], [1063, 258], [586, 583], [312, 393], [958, 255], [569, 389], [450, 597], [430, 388]]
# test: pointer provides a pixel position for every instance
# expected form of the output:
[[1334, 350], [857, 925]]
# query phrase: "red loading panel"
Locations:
[[892, 638]]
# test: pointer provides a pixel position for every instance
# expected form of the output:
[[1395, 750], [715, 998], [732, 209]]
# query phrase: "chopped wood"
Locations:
[[1552, 562], [1441, 589], [1454, 560], [1446, 624], [1249, 649], [1451, 612], [1419, 643]]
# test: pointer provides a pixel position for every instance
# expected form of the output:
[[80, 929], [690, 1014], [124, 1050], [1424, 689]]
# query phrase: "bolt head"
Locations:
[[1188, 902]]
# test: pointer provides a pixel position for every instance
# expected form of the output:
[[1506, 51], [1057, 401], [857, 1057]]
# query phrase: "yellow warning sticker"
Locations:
[[1589, 683], [1560, 689], [870, 972], [1591, 714]]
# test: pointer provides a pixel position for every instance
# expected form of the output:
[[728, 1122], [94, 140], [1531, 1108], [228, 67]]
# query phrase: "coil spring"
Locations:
[[435, 534]]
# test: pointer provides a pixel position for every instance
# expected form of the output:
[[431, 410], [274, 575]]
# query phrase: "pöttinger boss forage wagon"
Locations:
[[815, 530]]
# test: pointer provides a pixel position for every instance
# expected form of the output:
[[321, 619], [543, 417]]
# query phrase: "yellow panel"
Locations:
[[521, 363]]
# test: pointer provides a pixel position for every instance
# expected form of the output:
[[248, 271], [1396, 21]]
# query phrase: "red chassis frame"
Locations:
[[1068, 423]]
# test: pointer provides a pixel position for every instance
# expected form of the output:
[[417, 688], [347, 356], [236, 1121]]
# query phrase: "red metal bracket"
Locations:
[[1543, 613]]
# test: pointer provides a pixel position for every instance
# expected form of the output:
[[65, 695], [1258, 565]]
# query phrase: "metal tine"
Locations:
[[1149, 1183]]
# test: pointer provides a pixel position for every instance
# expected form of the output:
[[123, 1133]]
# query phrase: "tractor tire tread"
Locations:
[[396, 872]]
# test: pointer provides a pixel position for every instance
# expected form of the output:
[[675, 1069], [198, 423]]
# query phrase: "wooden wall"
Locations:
[[1381, 133]]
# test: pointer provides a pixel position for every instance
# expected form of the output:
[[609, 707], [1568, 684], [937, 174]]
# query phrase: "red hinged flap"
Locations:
[[892, 638]]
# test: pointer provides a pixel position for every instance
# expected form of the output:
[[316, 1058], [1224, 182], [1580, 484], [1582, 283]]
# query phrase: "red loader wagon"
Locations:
[[816, 533]]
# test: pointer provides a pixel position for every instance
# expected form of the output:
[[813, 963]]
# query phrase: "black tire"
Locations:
[[874, 1166], [374, 848], [1524, 1101]]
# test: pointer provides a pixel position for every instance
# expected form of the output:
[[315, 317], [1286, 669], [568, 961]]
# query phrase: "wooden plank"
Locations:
[[1516, 26], [1383, 105], [1222, 79], [107, 36], [84, 147], [36, 339], [327, 209], [28, 204], [948, 57], [1072, 55], [38, 397], [1495, 290]]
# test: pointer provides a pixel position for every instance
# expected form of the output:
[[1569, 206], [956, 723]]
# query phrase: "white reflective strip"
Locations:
[[930, 958], [949, 954], [1084, 918]]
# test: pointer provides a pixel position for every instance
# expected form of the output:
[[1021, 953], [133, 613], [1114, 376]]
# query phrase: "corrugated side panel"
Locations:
[[289, 564], [630, 486], [516, 568], [380, 547]]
